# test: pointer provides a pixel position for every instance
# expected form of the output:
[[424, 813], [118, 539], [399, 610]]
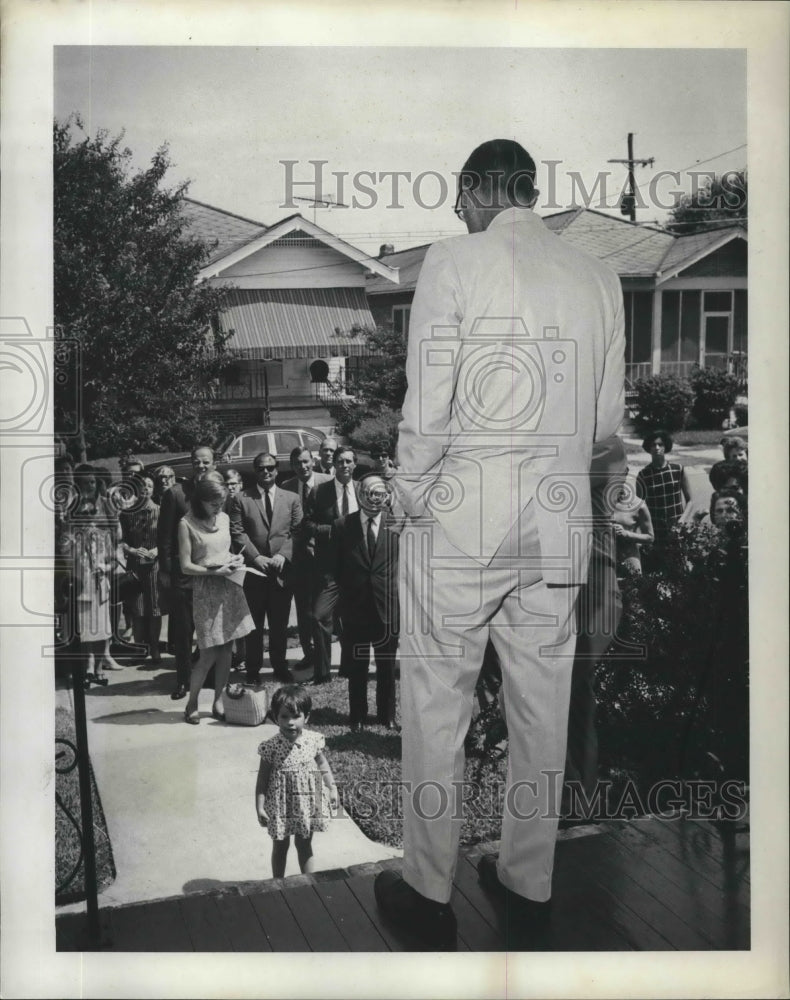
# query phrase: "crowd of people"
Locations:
[[226, 563]]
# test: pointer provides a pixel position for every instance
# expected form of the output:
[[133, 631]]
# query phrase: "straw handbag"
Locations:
[[244, 706]]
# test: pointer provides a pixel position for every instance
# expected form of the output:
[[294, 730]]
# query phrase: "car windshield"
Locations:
[[223, 443]]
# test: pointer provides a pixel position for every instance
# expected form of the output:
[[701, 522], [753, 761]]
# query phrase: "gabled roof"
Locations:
[[305, 228], [215, 225], [631, 250], [690, 248], [408, 264]]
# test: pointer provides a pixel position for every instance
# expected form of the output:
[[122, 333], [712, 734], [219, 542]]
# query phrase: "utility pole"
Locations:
[[323, 202], [628, 199]]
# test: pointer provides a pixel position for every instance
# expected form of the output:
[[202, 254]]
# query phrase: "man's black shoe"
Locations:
[[284, 676], [526, 921], [431, 924], [179, 692]]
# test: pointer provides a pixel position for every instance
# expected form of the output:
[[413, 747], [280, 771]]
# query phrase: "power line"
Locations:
[[716, 157]]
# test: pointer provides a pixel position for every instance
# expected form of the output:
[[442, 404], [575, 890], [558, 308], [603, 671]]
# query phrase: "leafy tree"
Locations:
[[720, 201], [380, 386], [125, 277]]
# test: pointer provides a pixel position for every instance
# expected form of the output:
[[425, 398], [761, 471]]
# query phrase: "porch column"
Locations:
[[656, 330]]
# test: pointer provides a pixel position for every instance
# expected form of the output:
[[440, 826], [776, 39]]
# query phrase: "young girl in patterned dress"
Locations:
[[295, 792]]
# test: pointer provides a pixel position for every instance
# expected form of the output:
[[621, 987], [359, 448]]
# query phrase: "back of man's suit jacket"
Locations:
[[515, 366]]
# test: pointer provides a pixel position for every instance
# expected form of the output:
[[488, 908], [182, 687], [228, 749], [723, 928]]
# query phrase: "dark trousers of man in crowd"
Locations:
[[183, 626], [360, 637], [326, 596], [268, 603]]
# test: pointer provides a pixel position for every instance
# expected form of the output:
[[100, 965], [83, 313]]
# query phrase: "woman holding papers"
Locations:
[[220, 608]]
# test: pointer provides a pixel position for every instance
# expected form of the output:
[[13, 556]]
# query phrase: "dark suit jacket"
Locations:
[[304, 546], [171, 510], [325, 511], [364, 581], [251, 533]]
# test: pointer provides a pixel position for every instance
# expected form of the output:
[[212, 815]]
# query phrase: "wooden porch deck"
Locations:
[[653, 884]]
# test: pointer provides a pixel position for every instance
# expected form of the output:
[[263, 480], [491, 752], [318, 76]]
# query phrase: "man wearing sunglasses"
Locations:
[[515, 366], [263, 522]]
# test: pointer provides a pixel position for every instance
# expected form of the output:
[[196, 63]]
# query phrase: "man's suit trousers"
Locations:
[[268, 602], [450, 605]]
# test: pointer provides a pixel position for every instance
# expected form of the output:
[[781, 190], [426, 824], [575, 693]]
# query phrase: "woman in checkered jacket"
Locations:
[[663, 486]]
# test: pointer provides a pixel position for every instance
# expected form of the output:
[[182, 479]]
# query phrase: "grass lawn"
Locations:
[[67, 845], [367, 769]]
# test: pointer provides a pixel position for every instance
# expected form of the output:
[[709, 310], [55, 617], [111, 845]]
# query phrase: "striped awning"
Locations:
[[279, 323]]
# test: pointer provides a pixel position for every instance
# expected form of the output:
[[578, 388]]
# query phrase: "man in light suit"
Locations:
[[263, 522], [303, 570], [515, 366], [366, 569], [334, 499]]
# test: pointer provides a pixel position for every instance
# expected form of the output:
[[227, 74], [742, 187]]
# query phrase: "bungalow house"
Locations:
[[298, 296], [685, 296]]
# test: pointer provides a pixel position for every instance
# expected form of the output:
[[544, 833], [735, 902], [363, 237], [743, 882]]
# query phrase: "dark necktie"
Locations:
[[267, 503], [344, 511], [371, 538]]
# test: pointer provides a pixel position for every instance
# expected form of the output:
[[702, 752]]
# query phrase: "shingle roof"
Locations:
[[229, 231], [408, 262], [629, 249]]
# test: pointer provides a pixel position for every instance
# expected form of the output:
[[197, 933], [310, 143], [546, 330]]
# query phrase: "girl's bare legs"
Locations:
[[221, 672], [198, 675], [279, 854], [304, 852]]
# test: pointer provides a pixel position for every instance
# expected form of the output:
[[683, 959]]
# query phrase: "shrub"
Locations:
[[715, 393], [379, 428], [662, 401], [742, 414]]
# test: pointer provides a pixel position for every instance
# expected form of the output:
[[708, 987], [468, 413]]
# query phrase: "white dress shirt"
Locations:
[[352, 497]]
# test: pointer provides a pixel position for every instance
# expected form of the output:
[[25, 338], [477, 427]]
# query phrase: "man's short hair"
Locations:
[[722, 472], [202, 447], [328, 439], [341, 450], [262, 455], [499, 172], [297, 451], [658, 435]]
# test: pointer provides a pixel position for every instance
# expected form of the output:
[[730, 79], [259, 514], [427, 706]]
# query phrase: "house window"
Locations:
[[717, 329], [680, 330], [352, 369], [638, 327], [400, 319]]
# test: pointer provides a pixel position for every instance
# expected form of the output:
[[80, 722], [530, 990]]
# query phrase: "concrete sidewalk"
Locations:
[[179, 799]]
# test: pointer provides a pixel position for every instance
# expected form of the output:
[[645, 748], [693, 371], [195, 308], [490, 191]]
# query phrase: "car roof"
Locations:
[[279, 427]]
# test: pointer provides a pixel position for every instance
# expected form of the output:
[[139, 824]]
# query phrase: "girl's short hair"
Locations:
[[207, 489], [294, 697], [233, 472], [729, 445], [163, 470], [657, 435]]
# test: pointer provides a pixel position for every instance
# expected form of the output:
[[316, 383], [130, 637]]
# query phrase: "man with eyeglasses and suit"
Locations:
[[264, 521], [515, 366]]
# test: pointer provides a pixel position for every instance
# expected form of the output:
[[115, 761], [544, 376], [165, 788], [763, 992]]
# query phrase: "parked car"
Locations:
[[238, 450]]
